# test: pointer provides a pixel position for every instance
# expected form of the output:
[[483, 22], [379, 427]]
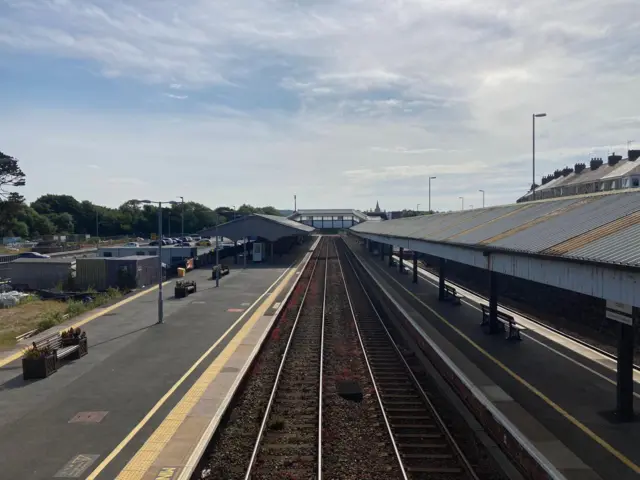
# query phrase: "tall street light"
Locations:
[[217, 252], [482, 197], [182, 200], [533, 184], [462, 198], [160, 295], [430, 178], [417, 208]]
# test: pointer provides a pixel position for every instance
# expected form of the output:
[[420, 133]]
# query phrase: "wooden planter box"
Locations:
[[183, 289], [83, 347], [39, 367]]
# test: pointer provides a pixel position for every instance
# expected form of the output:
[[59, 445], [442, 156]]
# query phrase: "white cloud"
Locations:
[[433, 86], [177, 97]]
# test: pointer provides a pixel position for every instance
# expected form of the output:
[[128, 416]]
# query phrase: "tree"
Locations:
[[63, 222], [19, 229], [42, 225], [11, 175], [270, 211]]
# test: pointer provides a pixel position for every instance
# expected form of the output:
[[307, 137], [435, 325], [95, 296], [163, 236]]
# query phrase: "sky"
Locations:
[[340, 102]]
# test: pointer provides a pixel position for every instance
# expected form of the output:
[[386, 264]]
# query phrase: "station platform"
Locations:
[[146, 393], [558, 395]]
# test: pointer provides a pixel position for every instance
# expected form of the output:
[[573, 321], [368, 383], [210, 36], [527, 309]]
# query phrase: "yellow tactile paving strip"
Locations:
[[167, 451]]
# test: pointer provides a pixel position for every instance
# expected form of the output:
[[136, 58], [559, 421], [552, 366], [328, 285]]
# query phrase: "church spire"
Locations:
[[377, 210]]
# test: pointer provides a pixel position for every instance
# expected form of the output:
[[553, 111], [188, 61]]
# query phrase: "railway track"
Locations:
[[335, 397], [289, 442], [425, 446]]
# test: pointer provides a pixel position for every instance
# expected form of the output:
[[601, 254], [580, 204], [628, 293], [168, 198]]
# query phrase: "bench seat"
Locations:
[[510, 327]]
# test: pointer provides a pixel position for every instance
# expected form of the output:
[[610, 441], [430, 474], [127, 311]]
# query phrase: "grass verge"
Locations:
[[32, 313]]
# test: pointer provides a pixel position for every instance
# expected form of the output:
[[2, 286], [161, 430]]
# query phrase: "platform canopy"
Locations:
[[588, 244], [269, 227]]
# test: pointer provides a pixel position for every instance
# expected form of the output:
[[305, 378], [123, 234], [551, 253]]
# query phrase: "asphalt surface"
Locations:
[[132, 363]]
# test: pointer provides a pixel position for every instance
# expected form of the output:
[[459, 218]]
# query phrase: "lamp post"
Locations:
[[160, 294], [533, 184], [417, 208], [97, 228], [217, 253], [430, 178], [462, 198], [182, 199], [482, 197]]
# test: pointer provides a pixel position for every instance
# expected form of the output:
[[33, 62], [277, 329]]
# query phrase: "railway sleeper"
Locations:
[[422, 446], [412, 428], [409, 401], [411, 418], [296, 400], [410, 396], [403, 409], [413, 435], [433, 470], [270, 447], [427, 456]]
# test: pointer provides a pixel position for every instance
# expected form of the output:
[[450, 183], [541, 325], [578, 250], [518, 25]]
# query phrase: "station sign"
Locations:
[[620, 312]]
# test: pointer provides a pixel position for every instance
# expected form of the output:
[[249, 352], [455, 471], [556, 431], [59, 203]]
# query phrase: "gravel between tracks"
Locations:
[[227, 457], [355, 440]]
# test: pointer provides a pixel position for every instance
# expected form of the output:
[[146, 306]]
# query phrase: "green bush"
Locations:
[[77, 307]]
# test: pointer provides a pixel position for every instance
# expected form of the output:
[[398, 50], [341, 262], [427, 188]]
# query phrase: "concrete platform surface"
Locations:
[[528, 380], [100, 410]]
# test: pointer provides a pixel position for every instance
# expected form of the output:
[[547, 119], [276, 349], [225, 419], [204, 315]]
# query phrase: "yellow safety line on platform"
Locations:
[[142, 461], [17, 355], [94, 474], [586, 430]]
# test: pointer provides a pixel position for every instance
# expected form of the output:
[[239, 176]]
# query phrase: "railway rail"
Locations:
[[335, 398]]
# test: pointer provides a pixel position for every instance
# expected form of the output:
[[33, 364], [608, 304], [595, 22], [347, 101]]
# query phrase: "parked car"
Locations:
[[33, 255], [132, 244], [204, 243]]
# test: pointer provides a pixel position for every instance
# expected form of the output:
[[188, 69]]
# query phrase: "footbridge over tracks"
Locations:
[[586, 244], [331, 219]]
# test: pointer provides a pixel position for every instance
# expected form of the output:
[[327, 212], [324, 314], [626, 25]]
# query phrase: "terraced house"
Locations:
[[616, 174]]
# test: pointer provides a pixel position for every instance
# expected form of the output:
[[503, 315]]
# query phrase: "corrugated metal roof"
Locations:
[[270, 227], [582, 226], [286, 222]]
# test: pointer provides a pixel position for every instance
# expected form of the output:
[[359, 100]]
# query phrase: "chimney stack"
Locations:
[[566, 171], [613, 159], [595, 163], [633, 155], [546, 179], [579, 167], [557, 174]]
